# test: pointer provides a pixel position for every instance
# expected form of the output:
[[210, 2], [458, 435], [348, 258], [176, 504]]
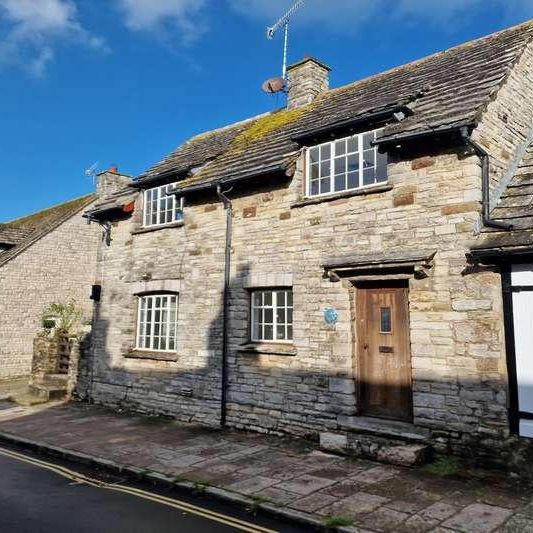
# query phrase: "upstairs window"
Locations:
[[157, 322], [271, 316], [345, 164], [160, 208]]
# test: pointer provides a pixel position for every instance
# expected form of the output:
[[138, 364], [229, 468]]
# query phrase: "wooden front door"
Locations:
[[382, 317]]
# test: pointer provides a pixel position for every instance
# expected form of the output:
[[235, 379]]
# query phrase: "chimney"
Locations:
[[306, 80], [110, 181]]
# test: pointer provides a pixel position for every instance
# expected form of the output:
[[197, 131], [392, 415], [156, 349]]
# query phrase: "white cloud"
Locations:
[[30, 30], [335, 15], [159, 16], [348, 15]]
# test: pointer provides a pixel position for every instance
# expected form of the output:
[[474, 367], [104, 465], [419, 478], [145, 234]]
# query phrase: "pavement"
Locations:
[[47, 497], [287, 476]]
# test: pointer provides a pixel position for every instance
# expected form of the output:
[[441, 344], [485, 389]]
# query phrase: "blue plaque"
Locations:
[[330, 315]]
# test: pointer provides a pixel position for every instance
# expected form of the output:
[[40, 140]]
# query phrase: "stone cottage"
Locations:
[[310, 271], [46, 257]]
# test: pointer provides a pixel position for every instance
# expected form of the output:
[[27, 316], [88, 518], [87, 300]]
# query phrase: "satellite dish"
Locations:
[[274, 85]]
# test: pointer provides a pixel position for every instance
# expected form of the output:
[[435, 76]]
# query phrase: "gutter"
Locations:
[[485, 183], [225, 309]]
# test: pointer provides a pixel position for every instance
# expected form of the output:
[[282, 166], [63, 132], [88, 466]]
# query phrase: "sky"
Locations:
[[124, 82]]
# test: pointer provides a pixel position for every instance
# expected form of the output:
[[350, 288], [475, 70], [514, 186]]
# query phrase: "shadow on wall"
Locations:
[[275, 392]]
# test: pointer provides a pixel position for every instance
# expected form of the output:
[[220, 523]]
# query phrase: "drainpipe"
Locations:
[[225, 312], [485, 183]]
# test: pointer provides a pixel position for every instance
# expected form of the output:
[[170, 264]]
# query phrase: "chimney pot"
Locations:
[[306, 80]]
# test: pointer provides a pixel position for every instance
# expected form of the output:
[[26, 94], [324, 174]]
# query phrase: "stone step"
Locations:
[[27, 399], [393, 429], [59, 380], [380, 443], [48, 392]]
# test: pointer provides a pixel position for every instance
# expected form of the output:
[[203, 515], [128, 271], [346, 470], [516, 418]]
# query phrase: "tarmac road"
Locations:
[[38, 496]]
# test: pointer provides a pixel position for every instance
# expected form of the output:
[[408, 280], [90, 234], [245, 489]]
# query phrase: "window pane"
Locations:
[[314, 155], [353, 180], [340, 182], [325, 152], [280, 298], [289, 333], [353, 144], [280, 315], [269, 333], [314, 171], [257, 299], [324, 186], [340, 165], [386, 323], [268, 315], [267, 298], [381, 173], [367, 139], [369, 158], [368, 176], [340, 147], [353, 163], [325, 169], [289, 298], [314, 187], [280, 332]]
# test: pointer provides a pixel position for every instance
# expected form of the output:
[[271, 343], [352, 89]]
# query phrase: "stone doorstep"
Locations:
[[394, 429], [392, 442], [137, 474]]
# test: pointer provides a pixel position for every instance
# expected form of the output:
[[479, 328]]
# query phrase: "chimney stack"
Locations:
[[306, 80], [110, 181]]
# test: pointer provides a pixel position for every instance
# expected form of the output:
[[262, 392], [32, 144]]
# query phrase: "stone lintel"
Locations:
[[273, 279], [156, 285]]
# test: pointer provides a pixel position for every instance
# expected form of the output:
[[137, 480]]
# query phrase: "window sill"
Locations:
[[382, 187], [149, 229], [154, 356], [267, 348]]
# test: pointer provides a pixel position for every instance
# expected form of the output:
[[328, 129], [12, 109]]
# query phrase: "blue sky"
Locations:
[[123, 82]]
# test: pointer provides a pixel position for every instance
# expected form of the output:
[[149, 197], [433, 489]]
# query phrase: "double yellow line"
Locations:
[[235, 523]]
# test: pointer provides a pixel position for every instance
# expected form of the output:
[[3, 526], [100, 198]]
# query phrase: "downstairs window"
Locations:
[[157, 322], [271, 315]]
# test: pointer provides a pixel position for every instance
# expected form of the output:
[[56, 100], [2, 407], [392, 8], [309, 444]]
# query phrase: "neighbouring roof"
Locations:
[[515, 207], [445, 90], [21, 233], [113, 202]]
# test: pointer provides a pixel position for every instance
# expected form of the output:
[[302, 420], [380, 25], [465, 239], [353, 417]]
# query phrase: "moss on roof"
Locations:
[[50, 214]]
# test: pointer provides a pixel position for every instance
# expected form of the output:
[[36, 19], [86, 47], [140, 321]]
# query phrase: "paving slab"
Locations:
[[478, 517], [287, 472]]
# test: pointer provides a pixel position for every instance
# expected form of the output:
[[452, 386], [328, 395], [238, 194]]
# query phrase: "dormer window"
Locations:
[[345, 164], [160, 208]]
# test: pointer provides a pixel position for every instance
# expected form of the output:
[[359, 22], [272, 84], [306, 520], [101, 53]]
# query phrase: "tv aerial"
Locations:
[[275, 85], [92, 171]]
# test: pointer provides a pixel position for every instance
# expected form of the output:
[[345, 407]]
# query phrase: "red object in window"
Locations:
[[128, 208]]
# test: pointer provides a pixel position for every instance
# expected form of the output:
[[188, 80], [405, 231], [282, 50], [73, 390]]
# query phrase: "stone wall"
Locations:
[[456, 327], [507, 125], [59, 267], [456, 333]]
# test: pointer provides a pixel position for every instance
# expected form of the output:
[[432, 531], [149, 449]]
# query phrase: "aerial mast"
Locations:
[[283, 22]]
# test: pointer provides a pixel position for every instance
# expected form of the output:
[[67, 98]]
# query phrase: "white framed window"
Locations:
[[157, 322], [160, 208], [345, 164], [271, 315]]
